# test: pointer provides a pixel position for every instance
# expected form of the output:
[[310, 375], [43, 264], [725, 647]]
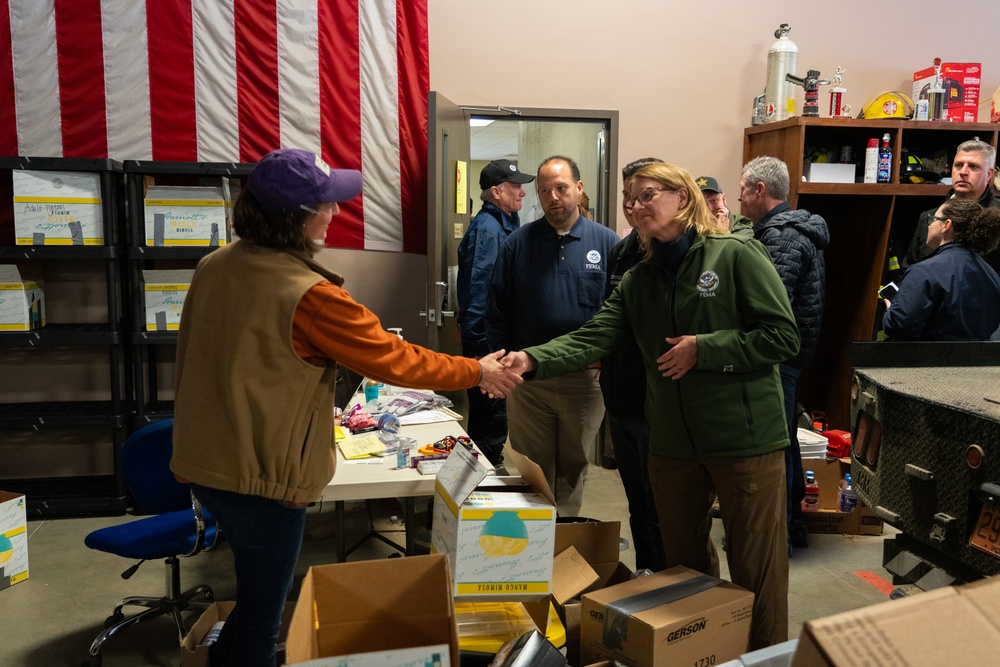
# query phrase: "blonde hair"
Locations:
[[695, 214]]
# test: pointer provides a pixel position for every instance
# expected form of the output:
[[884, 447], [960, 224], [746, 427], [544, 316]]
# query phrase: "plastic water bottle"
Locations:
[[811, 502], [213, 634], [847, 500]]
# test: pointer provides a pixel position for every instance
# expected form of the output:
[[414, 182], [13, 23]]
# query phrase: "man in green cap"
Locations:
[[734, 223]]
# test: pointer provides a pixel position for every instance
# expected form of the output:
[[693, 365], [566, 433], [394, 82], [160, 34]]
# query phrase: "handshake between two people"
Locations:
[[502, 372]]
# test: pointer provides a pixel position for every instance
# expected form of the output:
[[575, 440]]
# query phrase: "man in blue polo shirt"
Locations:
[[548, 280]]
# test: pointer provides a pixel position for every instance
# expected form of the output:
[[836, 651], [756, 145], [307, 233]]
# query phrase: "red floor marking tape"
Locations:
[[876, 582]]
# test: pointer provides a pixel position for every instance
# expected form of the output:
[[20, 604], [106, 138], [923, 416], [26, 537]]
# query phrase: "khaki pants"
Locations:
[[554, 422], [751, 493]]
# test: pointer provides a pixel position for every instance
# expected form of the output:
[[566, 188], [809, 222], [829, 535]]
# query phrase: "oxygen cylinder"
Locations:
[[779, 93]]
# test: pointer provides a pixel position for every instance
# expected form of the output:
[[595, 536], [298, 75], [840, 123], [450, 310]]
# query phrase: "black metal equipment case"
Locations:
[[926, 455]]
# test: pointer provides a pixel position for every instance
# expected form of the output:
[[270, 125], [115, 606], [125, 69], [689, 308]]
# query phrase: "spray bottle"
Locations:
[[782, 58]]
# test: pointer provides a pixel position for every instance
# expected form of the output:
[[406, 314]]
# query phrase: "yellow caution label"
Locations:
[[524, 515], [184, 202], [56, 200], [502, 587]]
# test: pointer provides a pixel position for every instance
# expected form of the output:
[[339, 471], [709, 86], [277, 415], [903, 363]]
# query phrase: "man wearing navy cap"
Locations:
[[502, 194]]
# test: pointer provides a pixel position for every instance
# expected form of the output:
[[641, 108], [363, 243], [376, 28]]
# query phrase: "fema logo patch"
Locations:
[[708, 281], [594, 257]]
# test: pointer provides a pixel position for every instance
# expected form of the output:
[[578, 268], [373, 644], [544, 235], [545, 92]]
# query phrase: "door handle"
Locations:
[[441, 288]]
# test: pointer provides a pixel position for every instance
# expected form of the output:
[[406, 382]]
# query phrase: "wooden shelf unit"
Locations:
[[862, 217]]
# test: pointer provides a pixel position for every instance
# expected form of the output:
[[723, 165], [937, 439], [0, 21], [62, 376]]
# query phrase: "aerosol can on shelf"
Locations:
[[779, 93]]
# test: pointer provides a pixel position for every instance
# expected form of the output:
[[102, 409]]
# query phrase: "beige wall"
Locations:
[[685, 96], [683, 75]]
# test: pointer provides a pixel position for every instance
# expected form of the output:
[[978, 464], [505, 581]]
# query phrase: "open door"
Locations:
[[447, 143]]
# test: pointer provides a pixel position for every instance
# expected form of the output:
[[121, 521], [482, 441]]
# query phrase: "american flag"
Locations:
[[228, 81]]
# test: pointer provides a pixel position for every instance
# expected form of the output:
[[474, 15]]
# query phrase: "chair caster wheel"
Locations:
[[108, 622], [91, 661]]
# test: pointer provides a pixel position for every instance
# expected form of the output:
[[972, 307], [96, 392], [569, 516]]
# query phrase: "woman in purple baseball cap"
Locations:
[[263, 329]]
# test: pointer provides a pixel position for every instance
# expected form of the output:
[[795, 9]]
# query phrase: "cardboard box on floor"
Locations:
[[947, 626], [193, 654], [499, 539], [827, 518], [673, 617], [13, 539], [378, 608], [597, 543]]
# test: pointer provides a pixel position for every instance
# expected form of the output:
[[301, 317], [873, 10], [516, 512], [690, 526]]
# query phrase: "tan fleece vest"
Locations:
[[251, 416]]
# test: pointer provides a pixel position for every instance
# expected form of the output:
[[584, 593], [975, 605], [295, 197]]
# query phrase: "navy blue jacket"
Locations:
[[544, 284], [623, 374], [952, 295], [477, 253], [795, 240]]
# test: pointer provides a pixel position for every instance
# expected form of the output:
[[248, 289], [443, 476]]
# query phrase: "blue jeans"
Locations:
[[795, 484], [630, 436], [265, 537]]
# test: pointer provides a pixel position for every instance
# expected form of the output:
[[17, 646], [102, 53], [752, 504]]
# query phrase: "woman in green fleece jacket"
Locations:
[[712, 320]]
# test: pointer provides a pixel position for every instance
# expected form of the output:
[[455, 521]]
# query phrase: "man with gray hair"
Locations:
[[971, 174], [502, 188], [795, 240]]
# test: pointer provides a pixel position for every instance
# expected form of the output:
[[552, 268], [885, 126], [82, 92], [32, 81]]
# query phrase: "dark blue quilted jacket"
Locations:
[[795, 241]]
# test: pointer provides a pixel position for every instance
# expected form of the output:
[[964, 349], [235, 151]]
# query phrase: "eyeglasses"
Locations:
[[644, 197], [941, 218], [308, 210]]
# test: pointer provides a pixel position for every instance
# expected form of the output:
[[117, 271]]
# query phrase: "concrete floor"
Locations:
[[51, 618]]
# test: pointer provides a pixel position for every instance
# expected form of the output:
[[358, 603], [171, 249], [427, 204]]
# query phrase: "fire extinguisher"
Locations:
[[779, 93]]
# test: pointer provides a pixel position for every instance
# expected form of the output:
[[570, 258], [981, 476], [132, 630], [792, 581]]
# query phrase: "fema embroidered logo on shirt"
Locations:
[[708, 281]]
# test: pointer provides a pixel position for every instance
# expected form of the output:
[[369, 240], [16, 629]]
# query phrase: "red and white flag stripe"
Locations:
[[228, 81]]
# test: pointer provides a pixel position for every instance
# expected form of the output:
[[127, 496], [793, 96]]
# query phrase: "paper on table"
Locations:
[[362, 446], [430, 417]]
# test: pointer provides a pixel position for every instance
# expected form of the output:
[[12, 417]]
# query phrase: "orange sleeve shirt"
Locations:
[[330, 325]]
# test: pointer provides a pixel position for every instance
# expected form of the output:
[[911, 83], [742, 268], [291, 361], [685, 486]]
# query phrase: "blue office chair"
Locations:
[[179, 527]]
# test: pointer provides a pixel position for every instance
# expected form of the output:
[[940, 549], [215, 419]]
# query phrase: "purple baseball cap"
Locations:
[[289, 178]]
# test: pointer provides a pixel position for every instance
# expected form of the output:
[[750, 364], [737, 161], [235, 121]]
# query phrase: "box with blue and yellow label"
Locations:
[[13, 539], [498, 532]]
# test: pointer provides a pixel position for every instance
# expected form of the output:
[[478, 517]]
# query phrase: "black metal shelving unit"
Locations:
[[75, 495], [146, 347]]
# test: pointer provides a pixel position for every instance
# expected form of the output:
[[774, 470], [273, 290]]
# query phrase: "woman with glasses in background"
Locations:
[[953, 294], [712, 321]]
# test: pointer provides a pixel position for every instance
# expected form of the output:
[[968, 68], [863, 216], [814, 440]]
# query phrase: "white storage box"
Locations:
[[57, 208], [185, 216], [164, 293], [499, 543], [828, 172], [13, 539], [22, 302]]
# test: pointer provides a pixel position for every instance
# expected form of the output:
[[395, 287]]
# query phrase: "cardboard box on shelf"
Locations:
[[673, 617], [499, 543], [961, 85], [22, 302], [375, 614], [57, 208], [186, 216], [164, 292], [946, 626], [827, 518], [13, 539]]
